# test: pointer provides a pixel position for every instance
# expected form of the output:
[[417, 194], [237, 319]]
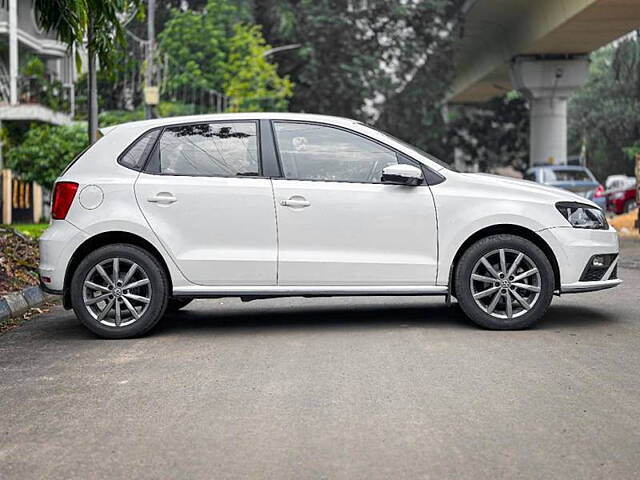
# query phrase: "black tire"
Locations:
[[176, 304], [158, 284], [463, 289], [629, 206]]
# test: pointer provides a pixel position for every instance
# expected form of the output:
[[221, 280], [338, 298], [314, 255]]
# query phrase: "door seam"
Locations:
[[275, 216]]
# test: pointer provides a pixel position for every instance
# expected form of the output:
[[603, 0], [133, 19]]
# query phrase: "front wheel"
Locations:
[[119, 291], [504, 282]]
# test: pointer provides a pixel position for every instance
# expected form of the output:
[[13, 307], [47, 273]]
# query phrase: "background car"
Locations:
[[574, 178], [622, 200]]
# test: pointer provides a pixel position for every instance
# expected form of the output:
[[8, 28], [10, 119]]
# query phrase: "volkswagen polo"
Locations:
[[261, 205]]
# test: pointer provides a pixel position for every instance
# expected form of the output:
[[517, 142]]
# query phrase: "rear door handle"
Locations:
[[162, 197], [295, 202]]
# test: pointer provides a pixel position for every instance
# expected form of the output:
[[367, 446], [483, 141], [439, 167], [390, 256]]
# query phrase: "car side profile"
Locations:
[[262, 205]]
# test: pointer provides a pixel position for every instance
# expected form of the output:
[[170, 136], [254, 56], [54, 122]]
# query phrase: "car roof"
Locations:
[[159, 122]]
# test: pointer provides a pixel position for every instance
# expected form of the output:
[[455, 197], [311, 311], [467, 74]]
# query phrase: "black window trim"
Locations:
[[431, 177], [156, 146]]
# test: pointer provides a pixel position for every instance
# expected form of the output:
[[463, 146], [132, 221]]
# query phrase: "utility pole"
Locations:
[[151, 93]]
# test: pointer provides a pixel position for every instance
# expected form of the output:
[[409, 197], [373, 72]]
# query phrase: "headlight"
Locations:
[[583, 216], [617, 195]]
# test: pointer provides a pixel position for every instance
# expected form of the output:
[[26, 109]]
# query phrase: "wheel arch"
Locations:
[[101, 240], [512, 230]]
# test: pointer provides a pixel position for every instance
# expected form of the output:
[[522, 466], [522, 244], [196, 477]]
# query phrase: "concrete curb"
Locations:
[[16, 304]]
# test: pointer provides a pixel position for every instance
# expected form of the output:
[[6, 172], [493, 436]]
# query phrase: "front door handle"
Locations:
[[295, 202], [162, 197]]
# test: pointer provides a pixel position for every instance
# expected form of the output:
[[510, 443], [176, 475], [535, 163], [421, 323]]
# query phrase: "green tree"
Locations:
[[196, 44], [99, 21], [495, 133], [387, 62], [604, 113], [45, 151], [251, 81]]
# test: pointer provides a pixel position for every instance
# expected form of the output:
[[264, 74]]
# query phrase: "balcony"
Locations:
[[40, 99]]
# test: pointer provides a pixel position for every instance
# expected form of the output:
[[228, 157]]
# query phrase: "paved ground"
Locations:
[[328, 388]]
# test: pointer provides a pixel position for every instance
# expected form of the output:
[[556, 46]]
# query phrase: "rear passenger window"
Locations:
[[136, 155], [209, 149]]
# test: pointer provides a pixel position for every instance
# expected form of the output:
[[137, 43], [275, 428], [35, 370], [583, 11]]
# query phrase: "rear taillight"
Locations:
[[63, 194], [599, 192]]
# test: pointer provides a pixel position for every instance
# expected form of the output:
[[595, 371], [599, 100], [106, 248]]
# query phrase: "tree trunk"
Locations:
[[92, 106]]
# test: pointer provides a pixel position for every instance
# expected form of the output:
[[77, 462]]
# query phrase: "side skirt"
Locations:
[[250, 292]]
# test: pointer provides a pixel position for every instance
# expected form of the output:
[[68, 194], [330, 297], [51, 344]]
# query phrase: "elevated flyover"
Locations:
[[539, 47]]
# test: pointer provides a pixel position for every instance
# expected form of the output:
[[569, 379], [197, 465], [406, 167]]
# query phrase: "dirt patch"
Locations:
[[19, 257]]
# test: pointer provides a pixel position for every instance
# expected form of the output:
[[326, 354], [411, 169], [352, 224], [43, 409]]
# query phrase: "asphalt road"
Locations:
[[328, 388]]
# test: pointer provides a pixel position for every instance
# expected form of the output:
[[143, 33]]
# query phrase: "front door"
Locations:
[[337, 223], [203, 197]]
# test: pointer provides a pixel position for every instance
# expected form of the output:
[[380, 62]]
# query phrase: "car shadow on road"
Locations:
[[356, 317], [258, 317], [359, 317]]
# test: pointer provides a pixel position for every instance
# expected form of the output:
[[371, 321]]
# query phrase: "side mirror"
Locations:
[[402, 174]]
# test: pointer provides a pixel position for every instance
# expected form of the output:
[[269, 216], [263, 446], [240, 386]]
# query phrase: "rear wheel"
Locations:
[[119, 291], [504, 282]]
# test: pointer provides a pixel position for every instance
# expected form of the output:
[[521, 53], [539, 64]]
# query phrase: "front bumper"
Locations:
[[581, 287], [574, 248]]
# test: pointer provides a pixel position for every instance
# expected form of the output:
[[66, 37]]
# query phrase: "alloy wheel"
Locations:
[[116, 292], [505, 283]]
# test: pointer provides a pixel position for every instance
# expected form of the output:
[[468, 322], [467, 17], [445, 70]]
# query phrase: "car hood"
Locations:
[[510, 187]]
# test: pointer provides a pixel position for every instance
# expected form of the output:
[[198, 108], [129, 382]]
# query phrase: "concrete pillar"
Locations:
[[547, 83], [13, 52]]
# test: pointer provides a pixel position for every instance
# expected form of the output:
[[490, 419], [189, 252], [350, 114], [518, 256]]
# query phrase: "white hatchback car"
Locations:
[[261, 205]]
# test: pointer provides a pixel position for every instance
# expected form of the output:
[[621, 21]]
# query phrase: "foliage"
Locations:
[[72, 19], [604, 113], [196, 44], [115, 117], [251, 81], [494, 133], [218, 49], [45, 152], [33, 67], [382, 61]]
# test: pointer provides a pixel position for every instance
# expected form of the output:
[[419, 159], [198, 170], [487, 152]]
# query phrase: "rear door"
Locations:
[[204, 197]]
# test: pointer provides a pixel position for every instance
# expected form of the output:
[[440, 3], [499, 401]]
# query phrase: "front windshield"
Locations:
[[412, 147]]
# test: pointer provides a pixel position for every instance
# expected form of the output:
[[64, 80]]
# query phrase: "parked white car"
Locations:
[[259, 205]]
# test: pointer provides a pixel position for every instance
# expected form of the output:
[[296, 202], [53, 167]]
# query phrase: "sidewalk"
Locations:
[[629, 253]]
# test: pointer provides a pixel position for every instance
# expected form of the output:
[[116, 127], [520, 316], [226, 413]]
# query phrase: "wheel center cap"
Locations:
[[117, 292], [506, 283]]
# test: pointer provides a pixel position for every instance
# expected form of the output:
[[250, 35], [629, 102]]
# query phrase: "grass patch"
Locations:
[[32, 230]]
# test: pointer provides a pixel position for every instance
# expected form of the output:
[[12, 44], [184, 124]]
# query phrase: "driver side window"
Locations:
[[317, 152]]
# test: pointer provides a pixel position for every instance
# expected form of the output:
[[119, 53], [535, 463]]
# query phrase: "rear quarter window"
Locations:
[[136, 155]]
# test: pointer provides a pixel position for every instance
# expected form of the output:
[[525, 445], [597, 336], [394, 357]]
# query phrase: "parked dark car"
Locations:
[[574, 178]]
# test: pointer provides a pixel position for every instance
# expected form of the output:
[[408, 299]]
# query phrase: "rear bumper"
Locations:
[[57, 245]]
